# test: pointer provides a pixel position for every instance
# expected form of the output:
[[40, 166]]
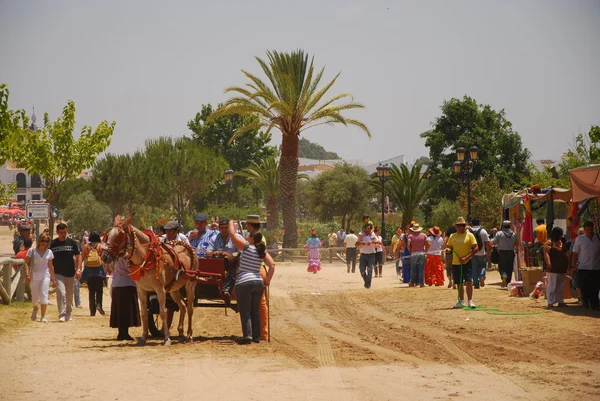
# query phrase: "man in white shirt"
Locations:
[[173, 234], [350, 250], [586, 256], [479, 261], [367, 242]]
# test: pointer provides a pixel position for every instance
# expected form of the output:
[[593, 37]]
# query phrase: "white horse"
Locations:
[[163, 268]]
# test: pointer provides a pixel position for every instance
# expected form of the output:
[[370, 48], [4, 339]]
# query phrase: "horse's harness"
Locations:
[[153, 258]]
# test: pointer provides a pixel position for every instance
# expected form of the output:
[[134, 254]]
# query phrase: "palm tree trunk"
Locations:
[[272, 214], [288, 170]]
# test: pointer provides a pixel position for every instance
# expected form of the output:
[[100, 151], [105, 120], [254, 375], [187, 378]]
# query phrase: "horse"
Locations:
[[162, 267]]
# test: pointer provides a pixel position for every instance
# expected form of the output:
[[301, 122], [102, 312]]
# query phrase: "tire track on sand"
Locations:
[[435, 335]]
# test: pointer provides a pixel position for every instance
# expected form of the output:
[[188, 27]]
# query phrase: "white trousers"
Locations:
[[556, 285], [39, 291]]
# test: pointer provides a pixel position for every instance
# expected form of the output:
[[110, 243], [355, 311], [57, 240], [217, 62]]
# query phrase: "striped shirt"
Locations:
[[203, 241], [250, 263]]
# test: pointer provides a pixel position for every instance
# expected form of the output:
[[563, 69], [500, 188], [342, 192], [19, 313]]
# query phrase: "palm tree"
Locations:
[[266, 177], [408, 188], [291, 102]]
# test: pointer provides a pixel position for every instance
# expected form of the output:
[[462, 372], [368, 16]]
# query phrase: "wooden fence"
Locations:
[[301, 255], [13, 280]]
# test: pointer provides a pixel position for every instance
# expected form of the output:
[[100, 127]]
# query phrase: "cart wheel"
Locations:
[[154, 322]]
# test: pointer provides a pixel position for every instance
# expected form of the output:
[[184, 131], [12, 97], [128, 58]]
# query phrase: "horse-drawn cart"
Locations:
[[211, 276]]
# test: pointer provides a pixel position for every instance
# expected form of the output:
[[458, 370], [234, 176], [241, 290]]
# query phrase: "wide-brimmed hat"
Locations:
[[253, 218], [461, 221], [416, 227], [435, 231]]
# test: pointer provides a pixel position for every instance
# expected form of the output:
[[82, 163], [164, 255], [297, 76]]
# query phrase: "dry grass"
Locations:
[[14, 316]]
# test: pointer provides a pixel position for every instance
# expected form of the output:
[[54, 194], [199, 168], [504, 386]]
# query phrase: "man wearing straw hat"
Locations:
[[463, 245]]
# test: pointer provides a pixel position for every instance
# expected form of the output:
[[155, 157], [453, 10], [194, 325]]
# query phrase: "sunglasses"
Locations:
[[44, 240]]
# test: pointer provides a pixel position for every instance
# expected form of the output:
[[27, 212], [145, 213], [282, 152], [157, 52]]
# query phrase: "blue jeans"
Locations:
[[367, 262], [417, 268], [479, 262], [406, 269]]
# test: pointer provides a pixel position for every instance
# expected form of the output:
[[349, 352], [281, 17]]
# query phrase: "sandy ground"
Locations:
[[331, 340]]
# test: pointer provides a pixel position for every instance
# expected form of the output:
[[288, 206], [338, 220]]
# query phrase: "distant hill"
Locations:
[[311, 150]]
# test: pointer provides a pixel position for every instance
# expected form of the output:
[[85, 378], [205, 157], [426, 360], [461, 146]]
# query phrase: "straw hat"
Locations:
[[461, 220], [435, 231], [416, 228]]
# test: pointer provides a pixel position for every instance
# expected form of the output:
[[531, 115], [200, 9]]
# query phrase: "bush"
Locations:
[[445, 214]]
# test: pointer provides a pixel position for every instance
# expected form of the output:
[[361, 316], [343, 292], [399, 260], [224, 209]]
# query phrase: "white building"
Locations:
[[29, 187]]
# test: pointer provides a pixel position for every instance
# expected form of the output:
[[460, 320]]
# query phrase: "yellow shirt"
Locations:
[[541, 235], [462, 244]]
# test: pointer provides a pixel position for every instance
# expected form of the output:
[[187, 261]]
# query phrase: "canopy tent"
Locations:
[[558, 195], [585, 182]]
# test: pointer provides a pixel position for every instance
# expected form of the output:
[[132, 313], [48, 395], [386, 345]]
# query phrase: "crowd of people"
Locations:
[[465, 251], [65, 263]]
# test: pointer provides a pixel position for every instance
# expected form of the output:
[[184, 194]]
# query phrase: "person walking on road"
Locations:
[[67, 268], [313, 244], [367, 241], [39, 273], [463, 245], [506, 240], [586, 256], [350, 250]]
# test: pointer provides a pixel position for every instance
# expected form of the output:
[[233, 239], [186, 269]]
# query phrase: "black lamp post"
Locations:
[[383, 172], [229, 179], [463, 167]]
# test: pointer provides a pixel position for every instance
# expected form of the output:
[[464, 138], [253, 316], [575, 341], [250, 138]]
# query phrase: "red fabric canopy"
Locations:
[[585, 182]]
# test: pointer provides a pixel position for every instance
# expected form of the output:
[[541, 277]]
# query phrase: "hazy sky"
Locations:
[[151, 65]]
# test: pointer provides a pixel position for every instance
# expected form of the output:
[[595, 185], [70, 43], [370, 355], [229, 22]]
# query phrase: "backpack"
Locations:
[[93, 258], [477, 235]]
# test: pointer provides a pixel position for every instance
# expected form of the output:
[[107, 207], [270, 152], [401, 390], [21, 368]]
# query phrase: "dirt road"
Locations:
[[332, 340]]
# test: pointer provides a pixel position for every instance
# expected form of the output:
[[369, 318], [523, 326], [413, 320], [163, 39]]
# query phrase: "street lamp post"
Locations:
[[463, 167], [229, 179], [383, 172]]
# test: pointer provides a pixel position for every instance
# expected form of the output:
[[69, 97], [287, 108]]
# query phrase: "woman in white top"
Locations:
[[40, 274], [434, 264]]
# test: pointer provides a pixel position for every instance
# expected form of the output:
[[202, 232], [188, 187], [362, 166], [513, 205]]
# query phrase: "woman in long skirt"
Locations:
[[314, 258], [405, 254], [124, 308], [434, 266]]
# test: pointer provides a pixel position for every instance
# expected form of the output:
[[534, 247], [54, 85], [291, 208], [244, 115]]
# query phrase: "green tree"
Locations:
[[445, 213], [13, 123], [291, 102], [84, 211], [408, 188], [68, 188], [310, 150], [486, 200], [55, 155], [465, 123], [7, 191], [266, 176], [118, 181], [178, 170], [343, 191]]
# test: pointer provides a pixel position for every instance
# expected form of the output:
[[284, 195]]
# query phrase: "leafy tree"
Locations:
[[342, 191], [13, 123], [54, 154], [84, 211], [587, 147], [311, 150], [408, 188], [266, 176], [68, 188], [230, 211], [445, 213], [291, 102], [178, 170], [465, 123], [486, 200], [118, 181], [7, 191]]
